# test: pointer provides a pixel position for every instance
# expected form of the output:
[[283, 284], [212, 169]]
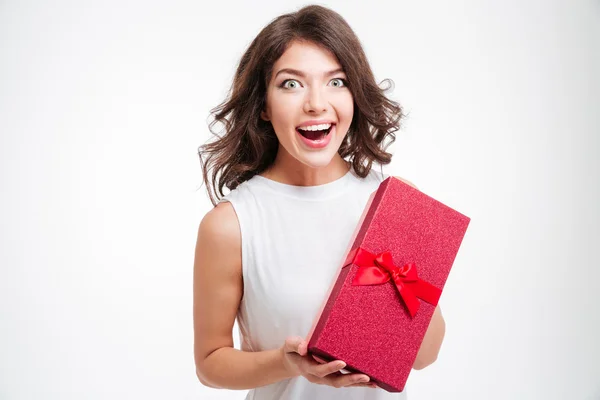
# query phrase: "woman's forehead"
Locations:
[[308, 58]]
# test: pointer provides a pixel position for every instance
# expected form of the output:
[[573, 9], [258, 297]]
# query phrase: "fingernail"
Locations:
[[341, 364], [364, 379]]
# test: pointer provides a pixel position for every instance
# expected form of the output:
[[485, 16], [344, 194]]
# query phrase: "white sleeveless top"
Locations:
[[294, 239]]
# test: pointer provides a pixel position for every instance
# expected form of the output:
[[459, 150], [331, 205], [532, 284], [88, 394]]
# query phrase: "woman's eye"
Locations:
[[339, 82], [292, 84]]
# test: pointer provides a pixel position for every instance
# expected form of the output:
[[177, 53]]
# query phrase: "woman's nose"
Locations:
[[316, 102]]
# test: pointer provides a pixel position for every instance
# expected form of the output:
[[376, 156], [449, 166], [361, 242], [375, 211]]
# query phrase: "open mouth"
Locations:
[[315, 135]]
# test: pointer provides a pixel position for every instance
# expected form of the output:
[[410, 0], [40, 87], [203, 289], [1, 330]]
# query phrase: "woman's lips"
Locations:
[[317, 144]]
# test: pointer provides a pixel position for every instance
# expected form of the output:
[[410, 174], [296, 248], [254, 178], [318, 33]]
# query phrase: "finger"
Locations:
[[294, 344], [319, 359], [332, 367], [347, 380], [369, 385], [309, 366], [303, 347]]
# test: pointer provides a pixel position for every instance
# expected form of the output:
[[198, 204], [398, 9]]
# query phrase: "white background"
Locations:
[[103, 106]]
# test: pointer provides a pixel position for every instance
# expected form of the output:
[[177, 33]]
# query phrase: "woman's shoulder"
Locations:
[[221, 222], [379, 176], [234, 195], [406, 181], [376, 175]]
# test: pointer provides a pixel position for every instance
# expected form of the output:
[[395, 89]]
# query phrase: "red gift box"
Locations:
[[387, 288]]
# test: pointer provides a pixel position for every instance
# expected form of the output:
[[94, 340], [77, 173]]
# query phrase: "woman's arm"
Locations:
[[430, 347], [218, 289]]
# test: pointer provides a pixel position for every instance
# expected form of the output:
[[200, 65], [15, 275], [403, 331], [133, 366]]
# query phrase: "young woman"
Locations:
[[304, 123]]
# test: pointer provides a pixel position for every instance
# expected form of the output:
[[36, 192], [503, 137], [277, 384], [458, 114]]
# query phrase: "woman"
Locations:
[[303, 125]]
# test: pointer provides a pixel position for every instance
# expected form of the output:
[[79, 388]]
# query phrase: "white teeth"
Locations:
[[315, 127]]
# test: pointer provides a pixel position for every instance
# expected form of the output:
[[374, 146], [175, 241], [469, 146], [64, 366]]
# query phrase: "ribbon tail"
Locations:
[[426, 291], [410, 300]]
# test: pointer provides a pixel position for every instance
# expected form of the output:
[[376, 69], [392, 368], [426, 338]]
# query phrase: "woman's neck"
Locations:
[[298, 174]]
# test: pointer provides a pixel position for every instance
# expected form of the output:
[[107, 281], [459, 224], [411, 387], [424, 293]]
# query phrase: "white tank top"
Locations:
[[293, 241]]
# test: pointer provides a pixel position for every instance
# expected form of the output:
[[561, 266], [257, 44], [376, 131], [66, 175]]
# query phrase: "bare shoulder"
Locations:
[[220, 224], [407, 182], [218, 246]]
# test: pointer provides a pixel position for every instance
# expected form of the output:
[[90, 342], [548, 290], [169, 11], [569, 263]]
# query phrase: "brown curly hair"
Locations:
[[250, 145]]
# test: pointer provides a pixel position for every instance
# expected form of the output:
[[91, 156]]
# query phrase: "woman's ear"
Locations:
[[264, 115]]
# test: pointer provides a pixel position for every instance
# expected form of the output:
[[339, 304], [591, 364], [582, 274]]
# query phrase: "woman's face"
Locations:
[[308, 91]]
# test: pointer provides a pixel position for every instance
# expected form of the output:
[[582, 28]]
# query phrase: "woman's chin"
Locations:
[[316, 160]]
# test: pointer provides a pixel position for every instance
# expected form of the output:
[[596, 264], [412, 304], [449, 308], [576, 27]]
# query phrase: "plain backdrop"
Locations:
[[103, 106]]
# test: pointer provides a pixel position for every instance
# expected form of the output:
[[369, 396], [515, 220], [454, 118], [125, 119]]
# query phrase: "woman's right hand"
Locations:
[[297, 362]]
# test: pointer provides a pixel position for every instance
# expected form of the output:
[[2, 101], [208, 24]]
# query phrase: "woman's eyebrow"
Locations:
[[303, 75]]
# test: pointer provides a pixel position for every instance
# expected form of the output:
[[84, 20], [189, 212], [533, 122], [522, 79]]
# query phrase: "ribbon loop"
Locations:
[[376, 269]]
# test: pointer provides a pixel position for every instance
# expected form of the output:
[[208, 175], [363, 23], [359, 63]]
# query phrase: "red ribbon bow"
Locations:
[[380, 268]]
